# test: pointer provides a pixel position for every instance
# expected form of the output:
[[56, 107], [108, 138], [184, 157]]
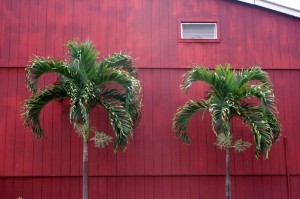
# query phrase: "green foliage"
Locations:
[[87, 82], [230, 96]]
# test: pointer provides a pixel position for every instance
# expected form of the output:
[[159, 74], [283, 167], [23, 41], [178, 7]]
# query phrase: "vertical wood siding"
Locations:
[[156, 164]]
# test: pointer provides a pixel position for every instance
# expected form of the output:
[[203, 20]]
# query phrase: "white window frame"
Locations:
[[198, 23]]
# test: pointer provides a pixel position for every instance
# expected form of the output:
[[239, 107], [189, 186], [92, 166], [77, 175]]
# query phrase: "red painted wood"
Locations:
[[156, 164]]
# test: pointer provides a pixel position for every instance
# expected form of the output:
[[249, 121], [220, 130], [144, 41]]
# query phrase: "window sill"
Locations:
[[199, 40]]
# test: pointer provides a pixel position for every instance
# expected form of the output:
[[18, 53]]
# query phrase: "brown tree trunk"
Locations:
[[227, 178], [85, 183]]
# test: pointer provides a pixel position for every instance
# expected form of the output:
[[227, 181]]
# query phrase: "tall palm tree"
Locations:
[[230, 95], [111, 83]]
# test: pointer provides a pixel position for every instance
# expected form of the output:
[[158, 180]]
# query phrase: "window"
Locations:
[[199, 31]]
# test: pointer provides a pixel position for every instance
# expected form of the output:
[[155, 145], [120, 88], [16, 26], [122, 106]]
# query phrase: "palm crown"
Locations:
[[110, 83], [229, 97]]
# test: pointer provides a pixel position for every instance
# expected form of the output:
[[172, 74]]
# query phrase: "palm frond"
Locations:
[[221, 116], [40, 66], [264, 93], [265, 128], [131, 85], [32, 107], [134, 108], [251, 74], [121, 123], [121, 61], [183, 115], [214, 80]]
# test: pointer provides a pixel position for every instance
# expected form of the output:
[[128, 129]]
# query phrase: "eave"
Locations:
[[274, 6]]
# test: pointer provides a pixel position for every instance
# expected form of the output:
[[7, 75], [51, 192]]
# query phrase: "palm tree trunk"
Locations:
[[85, 183], [227, 178]]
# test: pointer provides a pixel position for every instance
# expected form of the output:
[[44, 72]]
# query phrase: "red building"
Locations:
[[156, 165]]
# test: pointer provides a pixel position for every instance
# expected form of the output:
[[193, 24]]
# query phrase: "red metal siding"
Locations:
[[156, 164]]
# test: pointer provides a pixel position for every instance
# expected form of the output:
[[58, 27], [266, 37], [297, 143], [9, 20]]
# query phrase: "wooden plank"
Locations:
[[175, 104], [6, 31], [19, 141], [37, 188], [3, 123], [14, 34], [103, 24], [266, 31], [140, 187], [224, 20], [50, 29], [176, 191], [157, 121], [167, 133], [158, 188], [294, 187], [77, 20], [185, 187], [86, 22], [139, 139], [149, 187], [94, 187], [293, 136], [111, 188], [194, 183], [121, 183], [76, 187], [59, 17], [258, 41], [103, 190], [66, 190], [8, 187], [10, 131], [172, 35], [23, 37], [130, 187], [155, 35], [148, 130], [56, 187], [27, 188], [68, 17], [94, 24]]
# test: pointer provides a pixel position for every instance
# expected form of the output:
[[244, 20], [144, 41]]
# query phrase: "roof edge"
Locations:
[[274, 6]]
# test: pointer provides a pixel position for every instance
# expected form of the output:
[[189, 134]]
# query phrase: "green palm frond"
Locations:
[[196, 74], [133, 108], [264, 125], [121, 61], [183, 115], [40, 66], [220, 111], [251, 74], [32, 107], [264, 93], [131, 85], [82, 55], [121, 123]]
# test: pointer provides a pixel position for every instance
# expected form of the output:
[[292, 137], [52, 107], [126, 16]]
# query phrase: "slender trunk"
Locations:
[[227, 178], [85, 183]]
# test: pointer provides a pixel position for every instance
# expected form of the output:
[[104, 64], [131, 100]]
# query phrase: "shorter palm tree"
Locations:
[[111, 83], [230, 96]]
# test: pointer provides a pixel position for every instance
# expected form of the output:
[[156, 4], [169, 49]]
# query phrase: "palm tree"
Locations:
[[230, 95], [110, 83]]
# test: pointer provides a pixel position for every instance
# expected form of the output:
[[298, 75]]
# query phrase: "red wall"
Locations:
[[156, 164]]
